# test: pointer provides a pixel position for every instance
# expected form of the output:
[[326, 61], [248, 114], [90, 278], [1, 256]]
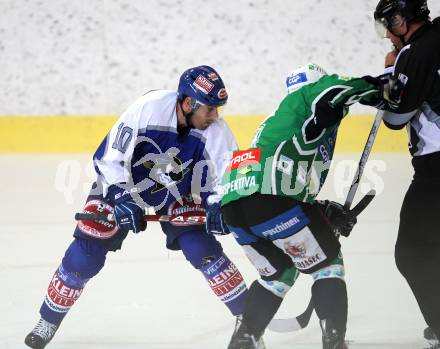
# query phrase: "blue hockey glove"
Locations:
[[214, 220], [341, 220], [128, 214]]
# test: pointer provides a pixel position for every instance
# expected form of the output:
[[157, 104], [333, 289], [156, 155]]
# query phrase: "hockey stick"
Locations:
[[364, 157], [176, 220], [302, 320]]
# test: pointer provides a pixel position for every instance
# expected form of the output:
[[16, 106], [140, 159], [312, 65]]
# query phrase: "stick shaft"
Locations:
[[363, 159], [83, 216]]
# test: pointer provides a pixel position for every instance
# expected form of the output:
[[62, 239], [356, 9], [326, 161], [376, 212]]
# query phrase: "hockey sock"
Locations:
[[226, 282], [205, 253], [330, 300], [63, 291], [261, 306], [82, 261]]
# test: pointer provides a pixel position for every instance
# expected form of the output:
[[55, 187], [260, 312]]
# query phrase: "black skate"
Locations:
[[432, 339], [331, 337], [241, 339], [41, 335]]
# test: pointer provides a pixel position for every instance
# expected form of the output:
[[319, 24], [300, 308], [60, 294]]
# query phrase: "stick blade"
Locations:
[[284, 325], [292, 324], [363, 203]]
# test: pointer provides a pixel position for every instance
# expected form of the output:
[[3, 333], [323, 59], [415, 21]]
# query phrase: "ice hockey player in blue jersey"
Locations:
[[167, 150]]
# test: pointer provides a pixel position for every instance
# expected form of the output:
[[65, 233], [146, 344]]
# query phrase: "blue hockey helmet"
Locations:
[[203, 85]]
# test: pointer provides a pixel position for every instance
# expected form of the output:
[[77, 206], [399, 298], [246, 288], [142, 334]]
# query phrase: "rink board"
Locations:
[[83, 134]]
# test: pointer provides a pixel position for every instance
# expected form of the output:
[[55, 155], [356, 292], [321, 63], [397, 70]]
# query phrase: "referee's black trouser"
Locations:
[[417, 250]]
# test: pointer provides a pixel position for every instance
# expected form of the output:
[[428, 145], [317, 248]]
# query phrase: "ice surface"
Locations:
[[147, 297]]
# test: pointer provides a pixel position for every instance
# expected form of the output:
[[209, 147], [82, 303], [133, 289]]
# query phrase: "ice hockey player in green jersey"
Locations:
[[269, 203]]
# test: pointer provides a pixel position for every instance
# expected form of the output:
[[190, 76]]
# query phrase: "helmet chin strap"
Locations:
[[402, 36], [188, 116]]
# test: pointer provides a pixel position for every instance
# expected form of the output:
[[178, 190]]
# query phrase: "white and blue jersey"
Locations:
[[146, 148]]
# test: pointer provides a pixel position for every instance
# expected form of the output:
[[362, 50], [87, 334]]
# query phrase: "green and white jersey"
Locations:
[[293, 148]]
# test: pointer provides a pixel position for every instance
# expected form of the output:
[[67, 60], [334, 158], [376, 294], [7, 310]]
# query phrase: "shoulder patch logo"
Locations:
[[403, 78]]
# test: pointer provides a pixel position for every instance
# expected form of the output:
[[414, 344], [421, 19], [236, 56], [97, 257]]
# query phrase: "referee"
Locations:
[[415, 67]]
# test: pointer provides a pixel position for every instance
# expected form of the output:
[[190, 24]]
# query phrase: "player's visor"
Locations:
[[381, 27], [384, 24]]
